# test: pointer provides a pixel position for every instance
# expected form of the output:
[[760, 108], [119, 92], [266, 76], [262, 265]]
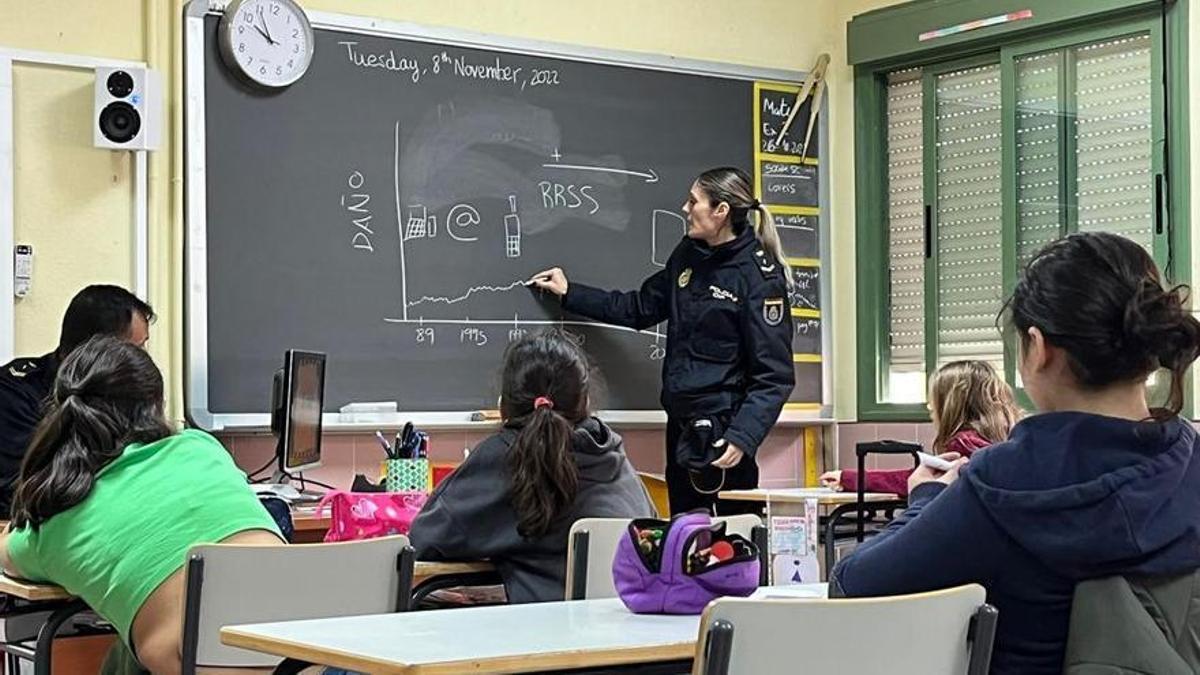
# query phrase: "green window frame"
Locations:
[[1056, 47]]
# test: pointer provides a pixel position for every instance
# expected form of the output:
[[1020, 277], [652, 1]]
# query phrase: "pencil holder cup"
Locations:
[[406, 475]]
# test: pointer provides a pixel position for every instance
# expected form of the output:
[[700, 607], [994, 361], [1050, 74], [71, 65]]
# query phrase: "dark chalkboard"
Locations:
[[385, 208]]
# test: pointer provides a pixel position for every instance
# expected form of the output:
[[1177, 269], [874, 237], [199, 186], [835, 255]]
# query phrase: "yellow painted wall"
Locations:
[[841, 214], [73, 203]]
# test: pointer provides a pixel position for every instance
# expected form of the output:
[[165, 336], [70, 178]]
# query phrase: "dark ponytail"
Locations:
[[1098, 296], [544, 395], [107, 394]]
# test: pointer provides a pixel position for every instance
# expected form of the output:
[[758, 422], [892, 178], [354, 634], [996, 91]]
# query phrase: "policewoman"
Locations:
[[728, 366]]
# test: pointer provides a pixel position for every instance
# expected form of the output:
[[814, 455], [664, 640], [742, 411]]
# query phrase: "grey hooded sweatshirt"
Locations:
[[469, 516]]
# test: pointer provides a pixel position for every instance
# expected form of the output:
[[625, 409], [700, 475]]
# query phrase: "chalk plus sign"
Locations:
[[556, 155]]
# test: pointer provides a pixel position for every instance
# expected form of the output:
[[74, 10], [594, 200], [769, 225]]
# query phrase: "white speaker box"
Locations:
[[129, 109]]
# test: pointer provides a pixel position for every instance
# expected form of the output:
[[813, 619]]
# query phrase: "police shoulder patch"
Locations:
[[684, 277], [772, 311], [767, 265], [22, 368]]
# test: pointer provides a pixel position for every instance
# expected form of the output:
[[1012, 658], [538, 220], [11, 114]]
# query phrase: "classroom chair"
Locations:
[[230, 584], [656, 489], [592, 545], [947, 632]]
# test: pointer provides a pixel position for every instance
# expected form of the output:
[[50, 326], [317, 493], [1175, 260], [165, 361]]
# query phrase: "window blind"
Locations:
[[1039, 126], [905, 221], [1114, 138], [968, 224]]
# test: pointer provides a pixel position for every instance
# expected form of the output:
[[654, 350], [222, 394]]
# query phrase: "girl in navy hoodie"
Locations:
[[971, 406], [1099, 484]]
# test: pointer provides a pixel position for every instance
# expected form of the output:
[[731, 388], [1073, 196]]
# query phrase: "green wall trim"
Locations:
[[892, 32]]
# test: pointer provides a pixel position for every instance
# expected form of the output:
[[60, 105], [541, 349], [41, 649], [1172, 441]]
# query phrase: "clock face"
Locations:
[[268, 41]]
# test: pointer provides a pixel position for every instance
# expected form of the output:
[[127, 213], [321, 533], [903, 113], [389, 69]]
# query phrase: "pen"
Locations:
[[384, 443]]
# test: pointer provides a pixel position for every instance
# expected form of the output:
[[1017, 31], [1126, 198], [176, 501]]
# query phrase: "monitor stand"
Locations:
[[280, 486]]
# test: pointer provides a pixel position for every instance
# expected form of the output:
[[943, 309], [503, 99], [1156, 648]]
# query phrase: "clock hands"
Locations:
[[265, 36], [264, 31]]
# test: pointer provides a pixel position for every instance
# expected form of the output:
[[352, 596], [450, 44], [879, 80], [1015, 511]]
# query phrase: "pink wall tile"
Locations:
[[779, 457], [897, 431], [250, 452], [849, 436], [925, 435], [448, 446], [894, 432], [646, 449], [343, 455]]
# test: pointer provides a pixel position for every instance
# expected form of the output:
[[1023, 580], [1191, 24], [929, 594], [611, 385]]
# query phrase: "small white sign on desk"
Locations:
[[794, 545]]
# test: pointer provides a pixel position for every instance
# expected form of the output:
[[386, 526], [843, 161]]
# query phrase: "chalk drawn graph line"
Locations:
[[405, 304], [470, 291]]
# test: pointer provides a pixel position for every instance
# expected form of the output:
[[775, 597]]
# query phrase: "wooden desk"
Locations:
[[824, 496], [309, 527], [27, 590], [508, 638], [425, 570]]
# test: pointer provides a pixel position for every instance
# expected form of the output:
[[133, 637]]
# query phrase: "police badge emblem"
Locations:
[[773, 311], [684, 277]]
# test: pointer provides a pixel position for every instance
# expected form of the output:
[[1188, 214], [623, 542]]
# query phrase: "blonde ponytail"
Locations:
[[732, 186], [768, 236]]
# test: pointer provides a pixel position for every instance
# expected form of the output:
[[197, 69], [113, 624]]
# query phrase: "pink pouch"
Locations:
[[366, 515]]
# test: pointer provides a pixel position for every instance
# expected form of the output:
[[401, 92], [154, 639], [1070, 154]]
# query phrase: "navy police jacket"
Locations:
[[729, 332], [24, 386]]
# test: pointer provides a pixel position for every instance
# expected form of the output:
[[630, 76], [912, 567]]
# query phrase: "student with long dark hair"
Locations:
[[25, 383], [1098, 484], [728, 369], [110, 499], [515, 497]]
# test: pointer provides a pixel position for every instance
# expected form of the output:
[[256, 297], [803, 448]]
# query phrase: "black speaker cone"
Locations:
[[120, 122], [120, 84]]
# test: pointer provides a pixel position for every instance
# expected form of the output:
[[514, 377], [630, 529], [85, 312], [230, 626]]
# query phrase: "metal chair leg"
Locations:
[[45, 639], [719, 648]]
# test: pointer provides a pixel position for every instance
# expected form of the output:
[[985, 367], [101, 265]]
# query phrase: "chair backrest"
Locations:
[[1135, 625], [230, 584], [740, 635], [592, 545], [656, 490], [742, 524]]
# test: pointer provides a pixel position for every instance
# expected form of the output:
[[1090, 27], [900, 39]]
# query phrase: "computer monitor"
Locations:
[[297, 400]]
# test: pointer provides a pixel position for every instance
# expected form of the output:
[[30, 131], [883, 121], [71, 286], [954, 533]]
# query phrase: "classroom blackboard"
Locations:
[[385, 209]]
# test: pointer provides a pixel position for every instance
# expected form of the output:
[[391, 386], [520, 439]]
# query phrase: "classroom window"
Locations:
[[966, 199], [979, 162], [906, 239]]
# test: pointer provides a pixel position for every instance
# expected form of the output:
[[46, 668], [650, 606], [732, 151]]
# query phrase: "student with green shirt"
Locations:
[[110, 499]]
